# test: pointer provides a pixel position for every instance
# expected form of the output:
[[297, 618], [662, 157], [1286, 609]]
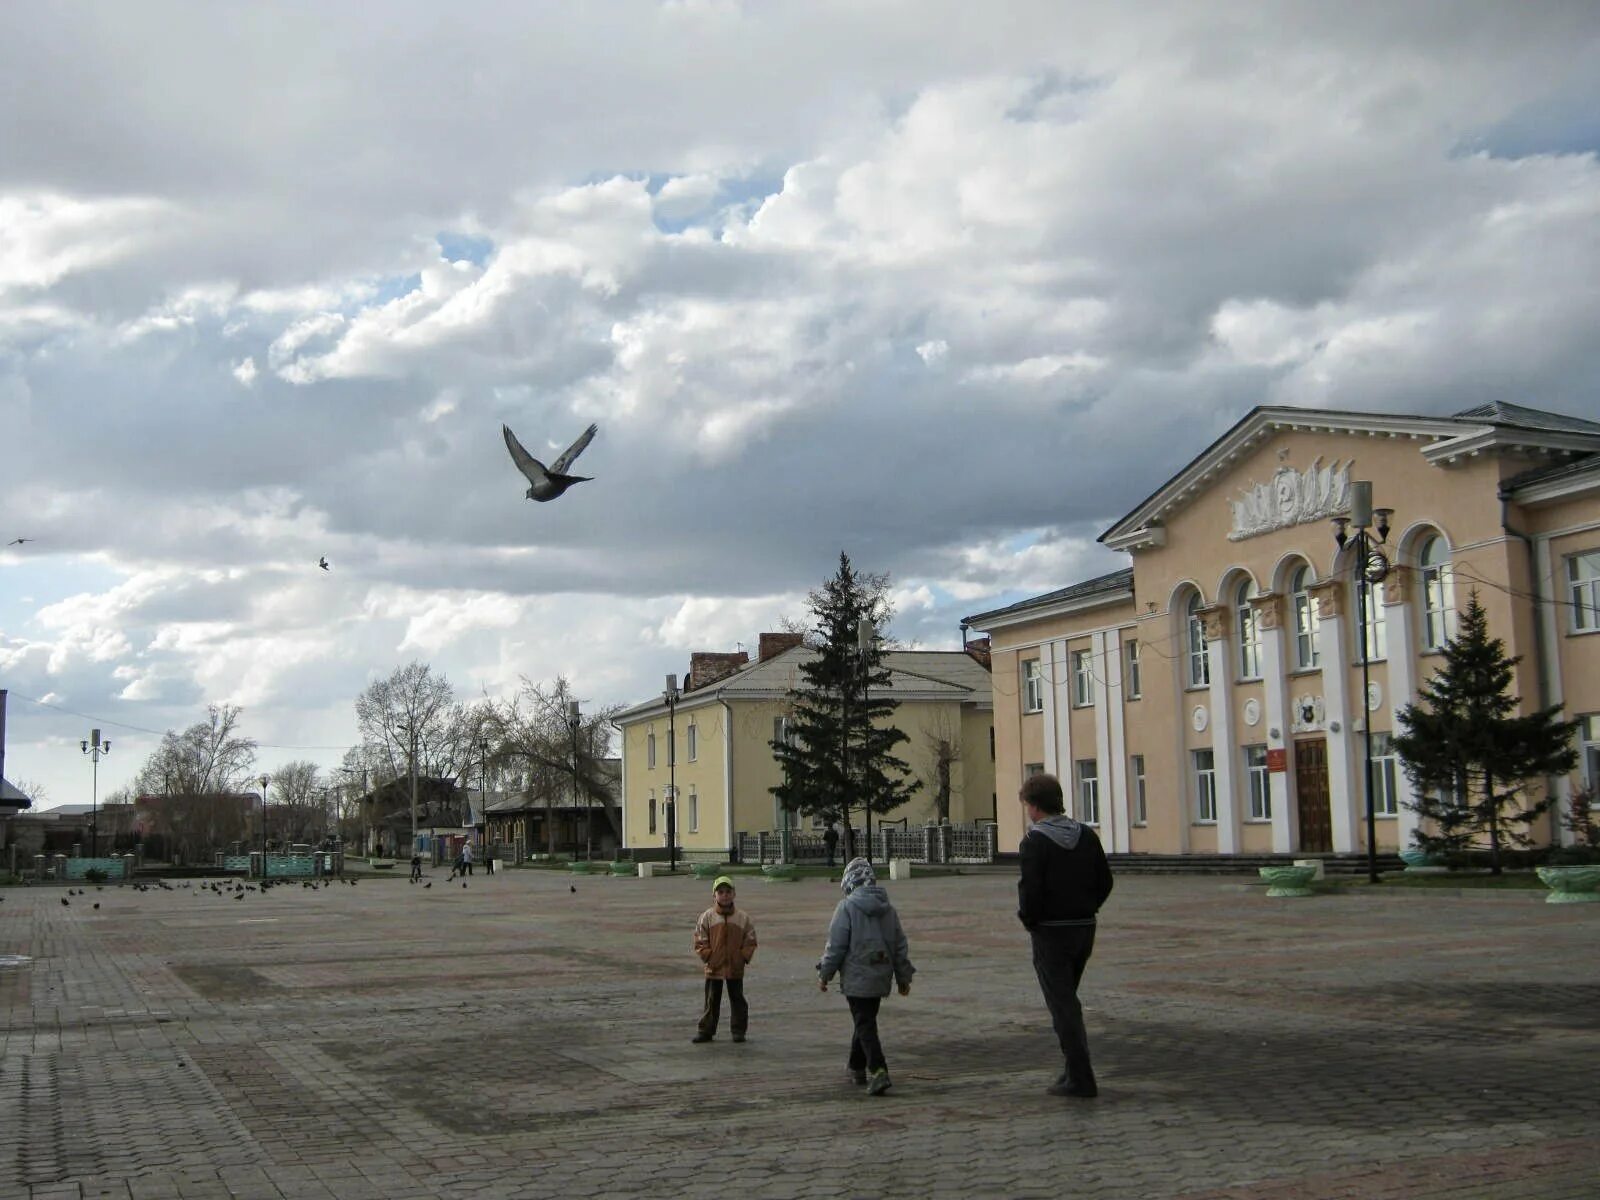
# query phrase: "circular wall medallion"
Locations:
[[1374, 697], [1252, 712], [1200, 718]]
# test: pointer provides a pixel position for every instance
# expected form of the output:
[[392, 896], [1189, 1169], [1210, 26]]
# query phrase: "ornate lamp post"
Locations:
[[671, 697], [864, 636], [1371, 567], [94, 748], [483, 805], [265, 779]]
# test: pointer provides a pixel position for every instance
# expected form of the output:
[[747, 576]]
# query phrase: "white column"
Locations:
[[1111, 761], [1402, 683], [1543, 571], [1222, 747], [1346, 803], [1275, 694], [1057, 684]]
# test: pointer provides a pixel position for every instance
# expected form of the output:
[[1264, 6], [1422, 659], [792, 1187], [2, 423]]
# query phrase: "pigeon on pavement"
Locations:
[[546, 483]]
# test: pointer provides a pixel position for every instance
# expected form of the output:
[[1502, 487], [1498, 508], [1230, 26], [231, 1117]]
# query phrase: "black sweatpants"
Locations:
[[713, 1011], [866, 1050], [1060, 953]]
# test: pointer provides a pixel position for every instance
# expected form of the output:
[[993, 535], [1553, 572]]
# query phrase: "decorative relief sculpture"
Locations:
[[1397, 584], [1308, 713], [1291, 498], [1215, 620], [1268, 609], [1329, 595]]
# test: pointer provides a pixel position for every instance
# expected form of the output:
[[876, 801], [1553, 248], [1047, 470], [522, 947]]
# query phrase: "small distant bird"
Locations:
[[19, 541], [548, 482], [65, 903], [429, 884], [323, 563], [573, 888], [97, 906]]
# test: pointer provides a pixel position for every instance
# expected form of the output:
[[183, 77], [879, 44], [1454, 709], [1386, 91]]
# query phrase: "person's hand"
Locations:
[[822, 984], [905, 989]]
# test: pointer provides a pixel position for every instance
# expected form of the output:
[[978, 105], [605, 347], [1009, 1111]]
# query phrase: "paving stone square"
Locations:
[[528, 1035]]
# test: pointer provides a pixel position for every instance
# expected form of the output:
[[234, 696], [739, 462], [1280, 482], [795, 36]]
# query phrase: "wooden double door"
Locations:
[[1311, 792]]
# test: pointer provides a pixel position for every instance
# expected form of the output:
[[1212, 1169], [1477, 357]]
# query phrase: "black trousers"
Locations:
[[713, 1011], [1060, 953], [866, 1051]]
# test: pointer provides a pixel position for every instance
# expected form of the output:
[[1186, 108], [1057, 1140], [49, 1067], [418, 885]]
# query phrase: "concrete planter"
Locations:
[[622, 869], [706, 870], [1288, 881], [779, 873], [1421, 862], [581, 866], [1571, 885]]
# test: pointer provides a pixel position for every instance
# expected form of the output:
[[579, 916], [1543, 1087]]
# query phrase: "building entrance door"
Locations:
[[1311, 786]]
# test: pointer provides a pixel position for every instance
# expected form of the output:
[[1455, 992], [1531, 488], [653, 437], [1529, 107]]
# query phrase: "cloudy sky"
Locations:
[[947, 286]]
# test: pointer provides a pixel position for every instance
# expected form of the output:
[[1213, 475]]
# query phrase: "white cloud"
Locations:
[[245, 371]]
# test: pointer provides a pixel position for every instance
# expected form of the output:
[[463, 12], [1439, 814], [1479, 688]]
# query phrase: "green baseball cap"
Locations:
[[722, 881]]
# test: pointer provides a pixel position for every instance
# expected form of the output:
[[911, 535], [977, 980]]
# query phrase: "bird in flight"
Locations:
[[548, 482], [323, 563], [19, 541]]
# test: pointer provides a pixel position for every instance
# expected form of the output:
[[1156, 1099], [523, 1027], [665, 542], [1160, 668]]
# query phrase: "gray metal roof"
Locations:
[[13, 797], [1109, 585], [1518, 416]]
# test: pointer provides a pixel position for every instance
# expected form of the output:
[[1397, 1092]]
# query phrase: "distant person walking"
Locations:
[[830, 839], [725, 940], [466, 858], [867, 949], [416, 867], [1065, 880]]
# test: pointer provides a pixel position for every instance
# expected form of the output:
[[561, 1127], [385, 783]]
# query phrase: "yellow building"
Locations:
[[729, 711], [1209, 698]]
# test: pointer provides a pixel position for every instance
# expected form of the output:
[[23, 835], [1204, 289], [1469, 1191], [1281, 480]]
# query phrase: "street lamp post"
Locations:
[[94, 748], [864, 636], [671, 696], [265, 779], [483, 801], [1371, 567], [574, 723]]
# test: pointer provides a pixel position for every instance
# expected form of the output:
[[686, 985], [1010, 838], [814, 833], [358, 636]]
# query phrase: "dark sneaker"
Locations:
[[1062, 1088], [880, 1083], [700, 1037], [858, 1077], [738, 1037]]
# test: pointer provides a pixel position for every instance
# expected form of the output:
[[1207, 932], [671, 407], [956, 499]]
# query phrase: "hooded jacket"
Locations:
[[867, 947], [1065, 876], [724, 942]]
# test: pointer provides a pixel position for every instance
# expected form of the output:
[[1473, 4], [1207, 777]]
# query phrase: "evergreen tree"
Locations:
[[839, 751], [1472, 760]]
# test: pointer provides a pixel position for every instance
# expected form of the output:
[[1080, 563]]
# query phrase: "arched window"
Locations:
[[1375, 640], [1438, 594], [1307, 623], [1199, 660], [1249, 633]]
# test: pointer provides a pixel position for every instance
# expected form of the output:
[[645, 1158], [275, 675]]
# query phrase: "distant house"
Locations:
[[588, 825]]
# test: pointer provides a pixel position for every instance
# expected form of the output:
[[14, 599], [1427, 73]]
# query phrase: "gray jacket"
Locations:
[[867, 947]]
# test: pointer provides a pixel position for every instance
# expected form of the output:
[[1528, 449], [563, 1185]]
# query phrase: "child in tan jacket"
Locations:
[[725, 940]]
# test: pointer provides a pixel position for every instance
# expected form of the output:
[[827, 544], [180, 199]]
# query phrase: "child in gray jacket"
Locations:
[[867, 949]]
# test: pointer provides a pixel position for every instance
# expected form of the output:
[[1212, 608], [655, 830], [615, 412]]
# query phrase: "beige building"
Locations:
[[714, 744], [1208, 698]]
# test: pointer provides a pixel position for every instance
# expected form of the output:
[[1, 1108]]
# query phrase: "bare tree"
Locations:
[[943, 743], [37, 792], [298, 810], [197, 776]]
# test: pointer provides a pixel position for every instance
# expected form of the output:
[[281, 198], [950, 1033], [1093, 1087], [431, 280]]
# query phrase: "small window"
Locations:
[[1255, 765], [1438, 594], [1205, 786], [1140, 813], [1199, 657], [1385, 763], [652, 814], [1088, 772], [650, 750], [1032, 687], [1307, 622], [692, 743], [694, 811], [1249, 634], [1029, 770], [1134, 684], [1375, 641], [1583, 582], [1082, 679]]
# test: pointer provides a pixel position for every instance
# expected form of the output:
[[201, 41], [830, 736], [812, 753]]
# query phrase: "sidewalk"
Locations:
[[308, 1043]]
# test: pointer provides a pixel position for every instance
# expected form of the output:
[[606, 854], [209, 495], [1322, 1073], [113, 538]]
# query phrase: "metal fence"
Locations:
[[938, 844]]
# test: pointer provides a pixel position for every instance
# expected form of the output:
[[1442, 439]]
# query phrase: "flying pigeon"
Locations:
[[548, 483], [19, 541], [323, 563]]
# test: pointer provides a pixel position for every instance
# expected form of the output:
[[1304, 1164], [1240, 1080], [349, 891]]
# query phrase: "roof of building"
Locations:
[[13, 797], [1107, 586], [1521, 417]]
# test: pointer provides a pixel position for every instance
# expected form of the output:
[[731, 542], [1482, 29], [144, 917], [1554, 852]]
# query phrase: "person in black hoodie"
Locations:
[[1065, 880]]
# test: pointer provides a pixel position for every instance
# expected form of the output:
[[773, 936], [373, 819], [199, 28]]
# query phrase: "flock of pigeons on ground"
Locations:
[[544, 483]]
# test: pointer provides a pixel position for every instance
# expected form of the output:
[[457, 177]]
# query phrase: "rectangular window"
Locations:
[[1307, 651], [650, 750], [652, 814], [1385, 795], [1032, 687], [1255, 768], [1205, 786], [692, 744], [1589, 748], [1088, 772], [1140, 813], [1029, 770], [1249, 643], [1373, 631], [694, 811], [1583, 581], [1082, 679], [1438, 606], [1199, 659], [1134, 684]]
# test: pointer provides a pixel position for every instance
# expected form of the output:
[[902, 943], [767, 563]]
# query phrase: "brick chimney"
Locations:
[[706, 667], [979, 649], [774, 644]]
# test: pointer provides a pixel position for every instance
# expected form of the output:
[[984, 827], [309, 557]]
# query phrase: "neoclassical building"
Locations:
[[1208, 698]]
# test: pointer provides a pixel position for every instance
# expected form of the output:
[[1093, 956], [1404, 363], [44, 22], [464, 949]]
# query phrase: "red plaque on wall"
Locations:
[[1277, 760]]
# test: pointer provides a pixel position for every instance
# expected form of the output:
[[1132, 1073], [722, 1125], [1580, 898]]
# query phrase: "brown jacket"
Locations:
[[724, 944]]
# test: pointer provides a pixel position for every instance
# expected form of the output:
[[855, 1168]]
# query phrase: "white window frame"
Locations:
[[1589, 749], [1082, 679], [1249, 634], [1375, 632], [1087, 771], [1141, 814], [1205, 786], [1029, 770], [1133, 685], [1583, 590], [1307, 621], [1032, 686], [1255, 770], [1385, 781], [1438, 594], [650, 750], [694, 810], [1199, 655], [691, 743]]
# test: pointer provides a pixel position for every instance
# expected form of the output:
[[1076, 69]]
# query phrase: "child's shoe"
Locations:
[[880, 1082], [858, 1076]]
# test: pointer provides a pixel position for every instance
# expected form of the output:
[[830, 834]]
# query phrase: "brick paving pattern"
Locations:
[[517, 1038]]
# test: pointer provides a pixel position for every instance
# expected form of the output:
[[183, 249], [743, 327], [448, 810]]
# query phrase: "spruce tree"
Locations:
[[1473, 761], [839, 752]]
